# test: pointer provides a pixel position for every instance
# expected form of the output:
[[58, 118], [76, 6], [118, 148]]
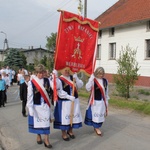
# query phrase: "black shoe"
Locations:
[[39, 142], [71, 136], [24, 115], [48, 146], [3, 105], [66, 139]]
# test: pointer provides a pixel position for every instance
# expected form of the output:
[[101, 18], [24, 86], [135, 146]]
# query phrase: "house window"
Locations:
[[100, 33], [111, 31], [148, 49], [98, 54], [148, 25], [112, 51]]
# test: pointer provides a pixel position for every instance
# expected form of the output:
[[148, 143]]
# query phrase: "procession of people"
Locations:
[[53, 96], [37, 92]]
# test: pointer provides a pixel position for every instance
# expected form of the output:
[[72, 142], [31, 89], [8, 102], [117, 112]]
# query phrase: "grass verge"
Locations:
[[139, 106], [142, 91]]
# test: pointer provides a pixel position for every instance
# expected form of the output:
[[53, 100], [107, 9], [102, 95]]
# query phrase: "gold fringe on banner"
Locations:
[[79, 21]]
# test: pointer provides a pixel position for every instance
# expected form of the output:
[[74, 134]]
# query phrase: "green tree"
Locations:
[[30, 67], [44, 61], [51, 42], [23, 59], [127, 72], [51, 46], [14, 58]]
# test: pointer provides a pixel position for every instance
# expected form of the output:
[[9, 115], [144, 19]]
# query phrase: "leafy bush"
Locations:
[[126, 71]]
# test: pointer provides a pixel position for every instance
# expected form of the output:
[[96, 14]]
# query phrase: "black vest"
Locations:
[[66, 88], [97, 92], [37, 94]]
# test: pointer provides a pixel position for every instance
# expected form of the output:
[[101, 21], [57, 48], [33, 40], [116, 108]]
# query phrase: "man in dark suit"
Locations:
[[23, 94]]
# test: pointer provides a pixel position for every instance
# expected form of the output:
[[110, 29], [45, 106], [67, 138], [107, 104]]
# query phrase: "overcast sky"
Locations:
[[28, 22]]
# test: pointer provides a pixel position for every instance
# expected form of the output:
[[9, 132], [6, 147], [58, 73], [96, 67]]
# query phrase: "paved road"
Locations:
[[123, 130]]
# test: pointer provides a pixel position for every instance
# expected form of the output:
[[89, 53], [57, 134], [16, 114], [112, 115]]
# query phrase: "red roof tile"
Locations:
[[124, 12]]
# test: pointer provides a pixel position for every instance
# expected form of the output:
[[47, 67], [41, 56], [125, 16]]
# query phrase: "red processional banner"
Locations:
[[76, 43]]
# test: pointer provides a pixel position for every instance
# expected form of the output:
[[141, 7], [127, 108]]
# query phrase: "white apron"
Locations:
[[98, 111], [66, 109]]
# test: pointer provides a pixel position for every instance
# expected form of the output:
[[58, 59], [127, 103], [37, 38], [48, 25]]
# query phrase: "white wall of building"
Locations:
[[134, 35]]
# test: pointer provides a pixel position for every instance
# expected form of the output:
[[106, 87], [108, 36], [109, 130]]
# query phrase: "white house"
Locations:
[[126, 22]]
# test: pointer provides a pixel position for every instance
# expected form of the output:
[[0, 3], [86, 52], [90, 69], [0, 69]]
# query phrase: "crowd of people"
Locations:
[[51, 97], [7, 75]]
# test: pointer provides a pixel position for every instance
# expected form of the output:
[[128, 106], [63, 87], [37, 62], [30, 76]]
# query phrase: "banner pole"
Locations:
[[72, 104]]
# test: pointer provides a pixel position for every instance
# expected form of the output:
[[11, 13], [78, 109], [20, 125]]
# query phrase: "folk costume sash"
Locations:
[[68, 82], [91, 101], [102, 91], [55, 97], [41, 89]]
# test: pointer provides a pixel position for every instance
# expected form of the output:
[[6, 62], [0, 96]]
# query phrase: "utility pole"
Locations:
[[85, 8], [5, 44], [5, 41], [80, 7]]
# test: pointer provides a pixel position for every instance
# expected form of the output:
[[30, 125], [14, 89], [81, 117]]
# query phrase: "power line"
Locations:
[[50, 15]]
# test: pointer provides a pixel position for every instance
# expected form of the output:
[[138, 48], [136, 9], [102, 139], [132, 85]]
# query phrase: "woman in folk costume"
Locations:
[[98, 103], [64, 120], [39, 106]]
